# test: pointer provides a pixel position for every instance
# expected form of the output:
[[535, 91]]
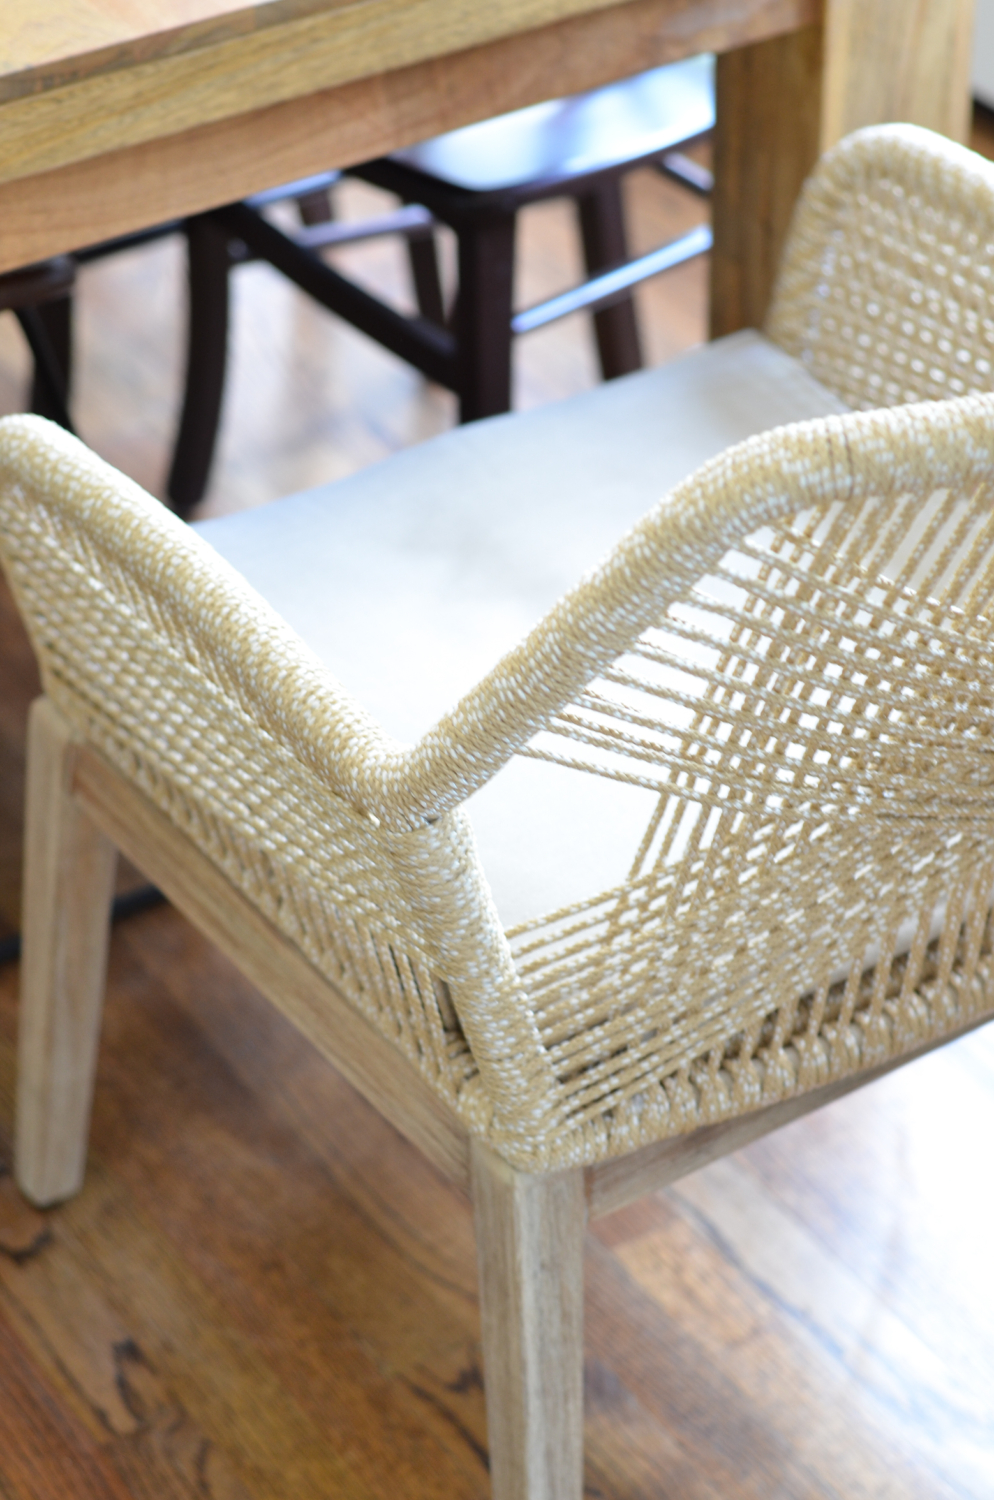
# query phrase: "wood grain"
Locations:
[[767, 138], [529, 1233], [336, 44], [380, 1072], [55, 46], [183, 171], [40, 1443], [896, 60], [50, 44]]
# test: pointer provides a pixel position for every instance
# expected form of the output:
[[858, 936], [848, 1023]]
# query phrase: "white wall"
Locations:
[[983, 53]]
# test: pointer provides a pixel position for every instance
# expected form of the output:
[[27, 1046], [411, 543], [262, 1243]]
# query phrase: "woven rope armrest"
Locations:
[[886, 286], [164, 659]]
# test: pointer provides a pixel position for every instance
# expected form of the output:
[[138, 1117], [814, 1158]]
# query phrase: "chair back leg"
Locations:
[[529, 1237], [68, 888], [50, 386], [209, 263], [602, 229]]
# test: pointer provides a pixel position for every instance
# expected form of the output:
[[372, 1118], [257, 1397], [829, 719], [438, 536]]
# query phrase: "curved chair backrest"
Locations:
[[886, 287], [792, 654]]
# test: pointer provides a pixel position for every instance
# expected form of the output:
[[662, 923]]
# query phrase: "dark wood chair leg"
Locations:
[[54, 323], [423, 259], [483, 322], [602, 227], [209, 262], [316, 207]]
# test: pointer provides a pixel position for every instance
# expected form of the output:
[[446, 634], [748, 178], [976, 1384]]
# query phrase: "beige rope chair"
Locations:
[[767, 717]]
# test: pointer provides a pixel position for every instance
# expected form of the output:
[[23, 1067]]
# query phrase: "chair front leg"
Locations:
[[68, 887], [529, 1236], [483, 315]]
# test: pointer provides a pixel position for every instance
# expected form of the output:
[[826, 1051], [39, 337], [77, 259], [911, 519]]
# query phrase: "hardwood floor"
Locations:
[[264, 1292]]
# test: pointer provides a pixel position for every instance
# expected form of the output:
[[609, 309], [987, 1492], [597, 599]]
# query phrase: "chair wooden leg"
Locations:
[[207, 352], [55, 318], [602, 227], [483, 321], [423, 259], [529, 1235], [316, 207], [68, 887]]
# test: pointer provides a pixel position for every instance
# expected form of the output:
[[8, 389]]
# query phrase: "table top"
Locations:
[[97, 75], [50, 44], [117, 114]]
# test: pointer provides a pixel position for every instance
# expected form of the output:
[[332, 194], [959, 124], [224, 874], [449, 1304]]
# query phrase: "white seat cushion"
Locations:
[[413, 577]]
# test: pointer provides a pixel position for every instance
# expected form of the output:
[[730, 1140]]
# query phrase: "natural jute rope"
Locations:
[[794, 651]]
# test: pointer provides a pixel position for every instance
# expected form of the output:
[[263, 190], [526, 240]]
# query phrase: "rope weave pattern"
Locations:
[[885, 290], [793, 651], [811, 894]]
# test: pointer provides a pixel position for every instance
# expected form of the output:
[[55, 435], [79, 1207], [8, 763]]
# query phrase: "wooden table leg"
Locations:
[[766, 142], [897, 60], [782, 101]]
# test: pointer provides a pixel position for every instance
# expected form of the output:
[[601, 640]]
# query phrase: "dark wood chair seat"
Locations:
[[548, 147]]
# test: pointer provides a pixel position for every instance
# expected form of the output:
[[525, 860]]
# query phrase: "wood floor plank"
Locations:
[[771, 1312], [926, 1400], [183, 1375], [100, 1373], [142, 1296], [43, 1451], [346, 1322], [723, 1437], [391, 1183]]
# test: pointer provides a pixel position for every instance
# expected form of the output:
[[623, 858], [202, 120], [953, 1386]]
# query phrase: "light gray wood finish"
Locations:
[[529, 1241], [68, 886]]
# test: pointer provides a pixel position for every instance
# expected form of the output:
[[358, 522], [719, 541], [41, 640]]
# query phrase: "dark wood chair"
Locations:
[[475, 180], [40, 296]]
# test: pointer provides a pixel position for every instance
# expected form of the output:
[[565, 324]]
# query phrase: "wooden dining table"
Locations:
[[119, 114]]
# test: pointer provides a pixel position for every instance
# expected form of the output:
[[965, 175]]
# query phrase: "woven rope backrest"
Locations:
[[886, 288], [165, 659], [812, 704]]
